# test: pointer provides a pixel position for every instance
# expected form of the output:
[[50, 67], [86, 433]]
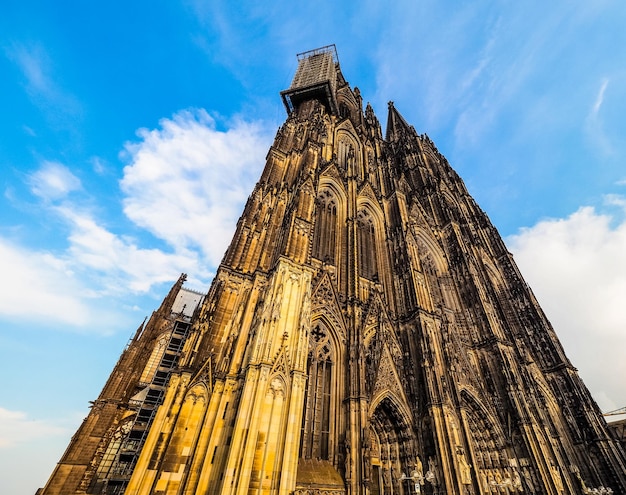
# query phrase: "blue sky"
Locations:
[[132, 132]]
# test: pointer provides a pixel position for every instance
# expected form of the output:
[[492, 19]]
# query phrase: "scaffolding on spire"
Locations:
[[316, 78]]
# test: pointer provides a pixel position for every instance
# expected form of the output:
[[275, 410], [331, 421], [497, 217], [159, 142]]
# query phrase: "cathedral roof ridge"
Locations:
[[194, 291]]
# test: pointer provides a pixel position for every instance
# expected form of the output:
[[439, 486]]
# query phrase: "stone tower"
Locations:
[[367, 332]]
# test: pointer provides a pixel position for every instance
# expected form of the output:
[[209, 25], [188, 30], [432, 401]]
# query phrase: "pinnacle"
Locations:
[[396, 125]]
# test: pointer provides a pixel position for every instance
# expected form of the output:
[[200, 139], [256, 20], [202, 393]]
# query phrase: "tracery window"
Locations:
[[325, 235], [316, 423], [366, 245], [111, 453], [434, 279]]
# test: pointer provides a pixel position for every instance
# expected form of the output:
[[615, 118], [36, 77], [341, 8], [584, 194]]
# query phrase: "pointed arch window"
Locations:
[[366, 245], [433, 277], [325, 235], [316, 422], [344, 111], [110, 458]]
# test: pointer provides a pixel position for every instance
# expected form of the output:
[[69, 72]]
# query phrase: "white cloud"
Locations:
[[186, 184], [16, 428], [122, 264], [577, 268], [187, 181], [87, 286], [616, 200], [53, 181], [39, 286]]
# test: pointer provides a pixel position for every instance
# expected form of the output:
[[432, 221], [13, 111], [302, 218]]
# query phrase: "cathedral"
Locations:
[[366, 333]]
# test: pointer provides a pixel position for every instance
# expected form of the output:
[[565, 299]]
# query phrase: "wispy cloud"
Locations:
[[594, 124], [30, 446], [60, 106], [58, 291], [576, 267], [53, 181], [600, 97], [34, 64]]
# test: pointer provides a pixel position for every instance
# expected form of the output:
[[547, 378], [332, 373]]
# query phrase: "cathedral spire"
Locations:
[[168, 302], [316, 78], [397, 127], [366, 327]]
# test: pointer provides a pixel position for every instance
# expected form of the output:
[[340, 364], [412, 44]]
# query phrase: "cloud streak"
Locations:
[[594, 124], [36, 66], [30, 447], [600, 97]]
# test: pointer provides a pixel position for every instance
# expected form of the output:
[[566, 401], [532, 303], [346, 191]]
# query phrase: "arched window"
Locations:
[[366, 245], [110, 456], [316, 424], [325, 236], [344, 111]]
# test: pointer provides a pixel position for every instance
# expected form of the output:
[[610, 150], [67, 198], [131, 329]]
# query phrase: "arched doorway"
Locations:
[[392, 449]]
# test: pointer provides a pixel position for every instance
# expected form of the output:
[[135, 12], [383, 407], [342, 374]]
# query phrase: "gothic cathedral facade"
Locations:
[[367, 333]]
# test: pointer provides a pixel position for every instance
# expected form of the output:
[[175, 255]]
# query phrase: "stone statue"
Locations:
[[556, 476], [348, 460], [464, 469], [433, 474], [418, 466]]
